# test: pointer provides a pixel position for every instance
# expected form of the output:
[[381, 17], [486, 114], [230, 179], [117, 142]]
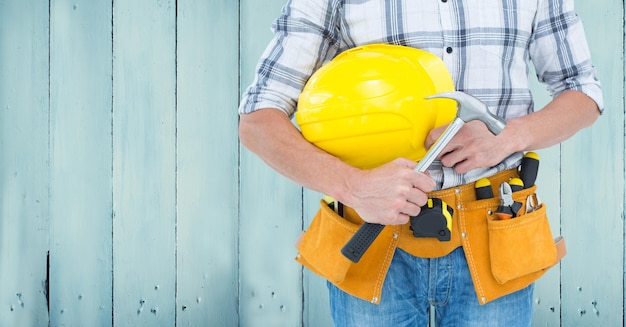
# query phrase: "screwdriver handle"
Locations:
[[483, 189], [529, 169], [517, 184], [361, 241]]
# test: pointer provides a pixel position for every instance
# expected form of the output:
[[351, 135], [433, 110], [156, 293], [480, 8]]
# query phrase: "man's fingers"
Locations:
[[417, 198], [390, 194], [423, 182], [433, 135], [412, 209], [452, 158], [405, 163]]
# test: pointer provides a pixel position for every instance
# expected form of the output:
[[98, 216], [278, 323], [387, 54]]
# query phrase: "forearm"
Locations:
[[560, 119], [389, 194], [270, 134], [475, 147]]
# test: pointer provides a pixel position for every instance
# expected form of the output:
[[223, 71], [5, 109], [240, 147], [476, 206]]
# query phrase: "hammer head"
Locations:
[[470, 108]]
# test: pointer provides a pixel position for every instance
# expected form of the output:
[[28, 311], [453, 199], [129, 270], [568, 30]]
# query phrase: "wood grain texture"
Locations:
[[119, 157], [144, 163], [207, 166], [271, 208], [80, 164], [547, 297], [24, 176], [592, 176]]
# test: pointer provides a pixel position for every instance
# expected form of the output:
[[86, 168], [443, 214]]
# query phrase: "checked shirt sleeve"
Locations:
[[560, 52], [305, 36]]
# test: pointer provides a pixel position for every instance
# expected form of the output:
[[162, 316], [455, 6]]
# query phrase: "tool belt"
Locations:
[[503, 256]]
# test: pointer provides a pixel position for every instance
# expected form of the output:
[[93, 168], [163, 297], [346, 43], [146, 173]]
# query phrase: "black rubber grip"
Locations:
[[361, 241], [529, 169]]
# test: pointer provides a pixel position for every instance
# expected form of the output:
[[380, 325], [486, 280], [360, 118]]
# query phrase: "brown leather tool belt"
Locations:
[[503, 255]]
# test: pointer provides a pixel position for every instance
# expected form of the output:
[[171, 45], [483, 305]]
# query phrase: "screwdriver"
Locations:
[[483, 189], [529, 168], [516, 184]]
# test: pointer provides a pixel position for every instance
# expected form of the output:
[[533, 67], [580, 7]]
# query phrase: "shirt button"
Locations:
[[444, 1], [449, 49]]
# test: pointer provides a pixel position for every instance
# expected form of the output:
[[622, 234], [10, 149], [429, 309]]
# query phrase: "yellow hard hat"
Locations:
[[367, 106]]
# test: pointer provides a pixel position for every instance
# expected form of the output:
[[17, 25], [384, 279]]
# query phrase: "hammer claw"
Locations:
[[470, 108]]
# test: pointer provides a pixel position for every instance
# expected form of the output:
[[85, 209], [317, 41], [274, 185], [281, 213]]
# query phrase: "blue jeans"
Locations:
[[413, 284]]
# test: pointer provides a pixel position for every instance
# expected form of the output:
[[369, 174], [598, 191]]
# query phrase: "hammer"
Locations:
[[468, 108]]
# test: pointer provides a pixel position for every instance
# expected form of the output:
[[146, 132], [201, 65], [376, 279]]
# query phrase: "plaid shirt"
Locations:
[[487, 46]]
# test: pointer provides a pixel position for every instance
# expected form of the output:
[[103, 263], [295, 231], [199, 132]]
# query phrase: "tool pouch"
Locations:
[[503, 255], [520, 246], [319, 249], [507, 255]]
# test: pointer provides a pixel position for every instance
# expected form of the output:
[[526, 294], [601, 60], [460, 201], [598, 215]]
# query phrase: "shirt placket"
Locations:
[[446, 17]]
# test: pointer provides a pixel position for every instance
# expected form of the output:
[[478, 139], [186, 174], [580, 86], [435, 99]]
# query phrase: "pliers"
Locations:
[[508, 208], [532, 203]]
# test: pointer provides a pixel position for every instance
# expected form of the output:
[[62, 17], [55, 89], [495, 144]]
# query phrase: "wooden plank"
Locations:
[[24, 109], [80, 164], [547, 294], [593, 186], [208, 155], [316, 309], [144, 163], [271, 290], [271, 208]]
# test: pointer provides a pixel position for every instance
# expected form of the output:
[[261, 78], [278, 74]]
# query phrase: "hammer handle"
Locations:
[[439, 145], [367, 233], [361, 241]]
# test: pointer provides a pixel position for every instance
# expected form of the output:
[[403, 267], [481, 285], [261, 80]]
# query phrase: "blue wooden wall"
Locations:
[[126, 200]]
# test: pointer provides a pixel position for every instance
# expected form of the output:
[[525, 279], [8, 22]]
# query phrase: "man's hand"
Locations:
[[474, 146], [389, 194]]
